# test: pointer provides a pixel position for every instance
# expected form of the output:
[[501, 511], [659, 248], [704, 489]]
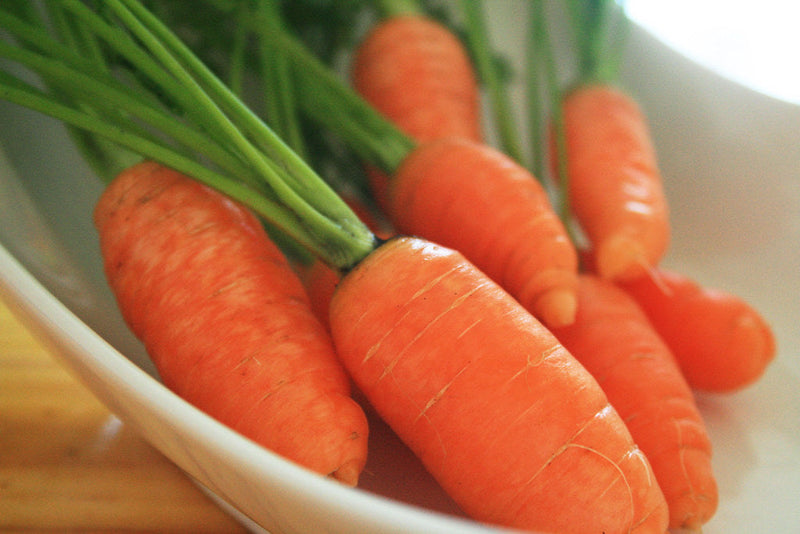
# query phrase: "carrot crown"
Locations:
[[169, 107]]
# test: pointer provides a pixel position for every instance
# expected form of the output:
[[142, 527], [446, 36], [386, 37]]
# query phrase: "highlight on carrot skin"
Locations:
[[476, 387]]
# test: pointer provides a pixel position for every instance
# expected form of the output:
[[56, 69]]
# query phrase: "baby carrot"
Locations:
[[471, 197], [225, 319], [501, 414], [614, 340], [614, 185], [720, 341], [418, 74]]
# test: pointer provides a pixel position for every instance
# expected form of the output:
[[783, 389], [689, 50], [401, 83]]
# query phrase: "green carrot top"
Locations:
[[160, 102]]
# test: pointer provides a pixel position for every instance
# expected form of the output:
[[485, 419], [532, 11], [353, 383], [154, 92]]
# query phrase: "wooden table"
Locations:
[[68, 465]]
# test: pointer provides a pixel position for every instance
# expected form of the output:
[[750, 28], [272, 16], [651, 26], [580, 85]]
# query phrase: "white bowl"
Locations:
[[731, 161]]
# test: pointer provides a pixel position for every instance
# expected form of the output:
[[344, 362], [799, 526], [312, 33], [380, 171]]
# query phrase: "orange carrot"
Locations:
[[614, 186], [418, 74], [509, 423], [614, 340], [471, 197], [226, 320], [721, 342]]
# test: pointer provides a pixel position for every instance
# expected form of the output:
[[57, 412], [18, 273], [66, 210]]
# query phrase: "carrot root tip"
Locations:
[[621, 258], [556, 308], [348, 473]]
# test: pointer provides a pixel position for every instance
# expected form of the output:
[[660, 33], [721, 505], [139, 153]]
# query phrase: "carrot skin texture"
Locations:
[[471, 197], [418, 75], [225, 319], [615, 187], [500, 413], [721, 343], [614, 340]]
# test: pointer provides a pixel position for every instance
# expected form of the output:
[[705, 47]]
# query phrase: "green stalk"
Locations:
[[334, 105], [111, 98], [281, 106], [341, 239], [555, 93], [396, 8], [534, 89], [300, 188], [478, 38]]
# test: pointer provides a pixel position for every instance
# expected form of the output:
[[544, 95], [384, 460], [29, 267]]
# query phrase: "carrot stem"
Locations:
[[281, 105], [331, 103], [394, 8], [282, 188], [480, 46]]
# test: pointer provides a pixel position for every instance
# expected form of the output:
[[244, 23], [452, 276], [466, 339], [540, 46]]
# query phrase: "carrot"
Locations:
[[500, 413], [721, 342], [418, 74], [614, 340], [614, 185], [240, 341], [470, 197]]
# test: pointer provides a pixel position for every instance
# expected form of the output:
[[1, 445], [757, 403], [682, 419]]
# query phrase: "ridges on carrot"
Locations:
[[477, 387], [225, 319]]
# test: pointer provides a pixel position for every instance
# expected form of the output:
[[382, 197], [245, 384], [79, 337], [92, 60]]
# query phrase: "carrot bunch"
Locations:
[[538, 398], [158, 228]]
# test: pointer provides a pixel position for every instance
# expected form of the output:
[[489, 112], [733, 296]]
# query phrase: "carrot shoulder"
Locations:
[[471, 197], [614, 184], [416, 73], [501, 414], [614, 340], [225, 319], [720, 341]]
